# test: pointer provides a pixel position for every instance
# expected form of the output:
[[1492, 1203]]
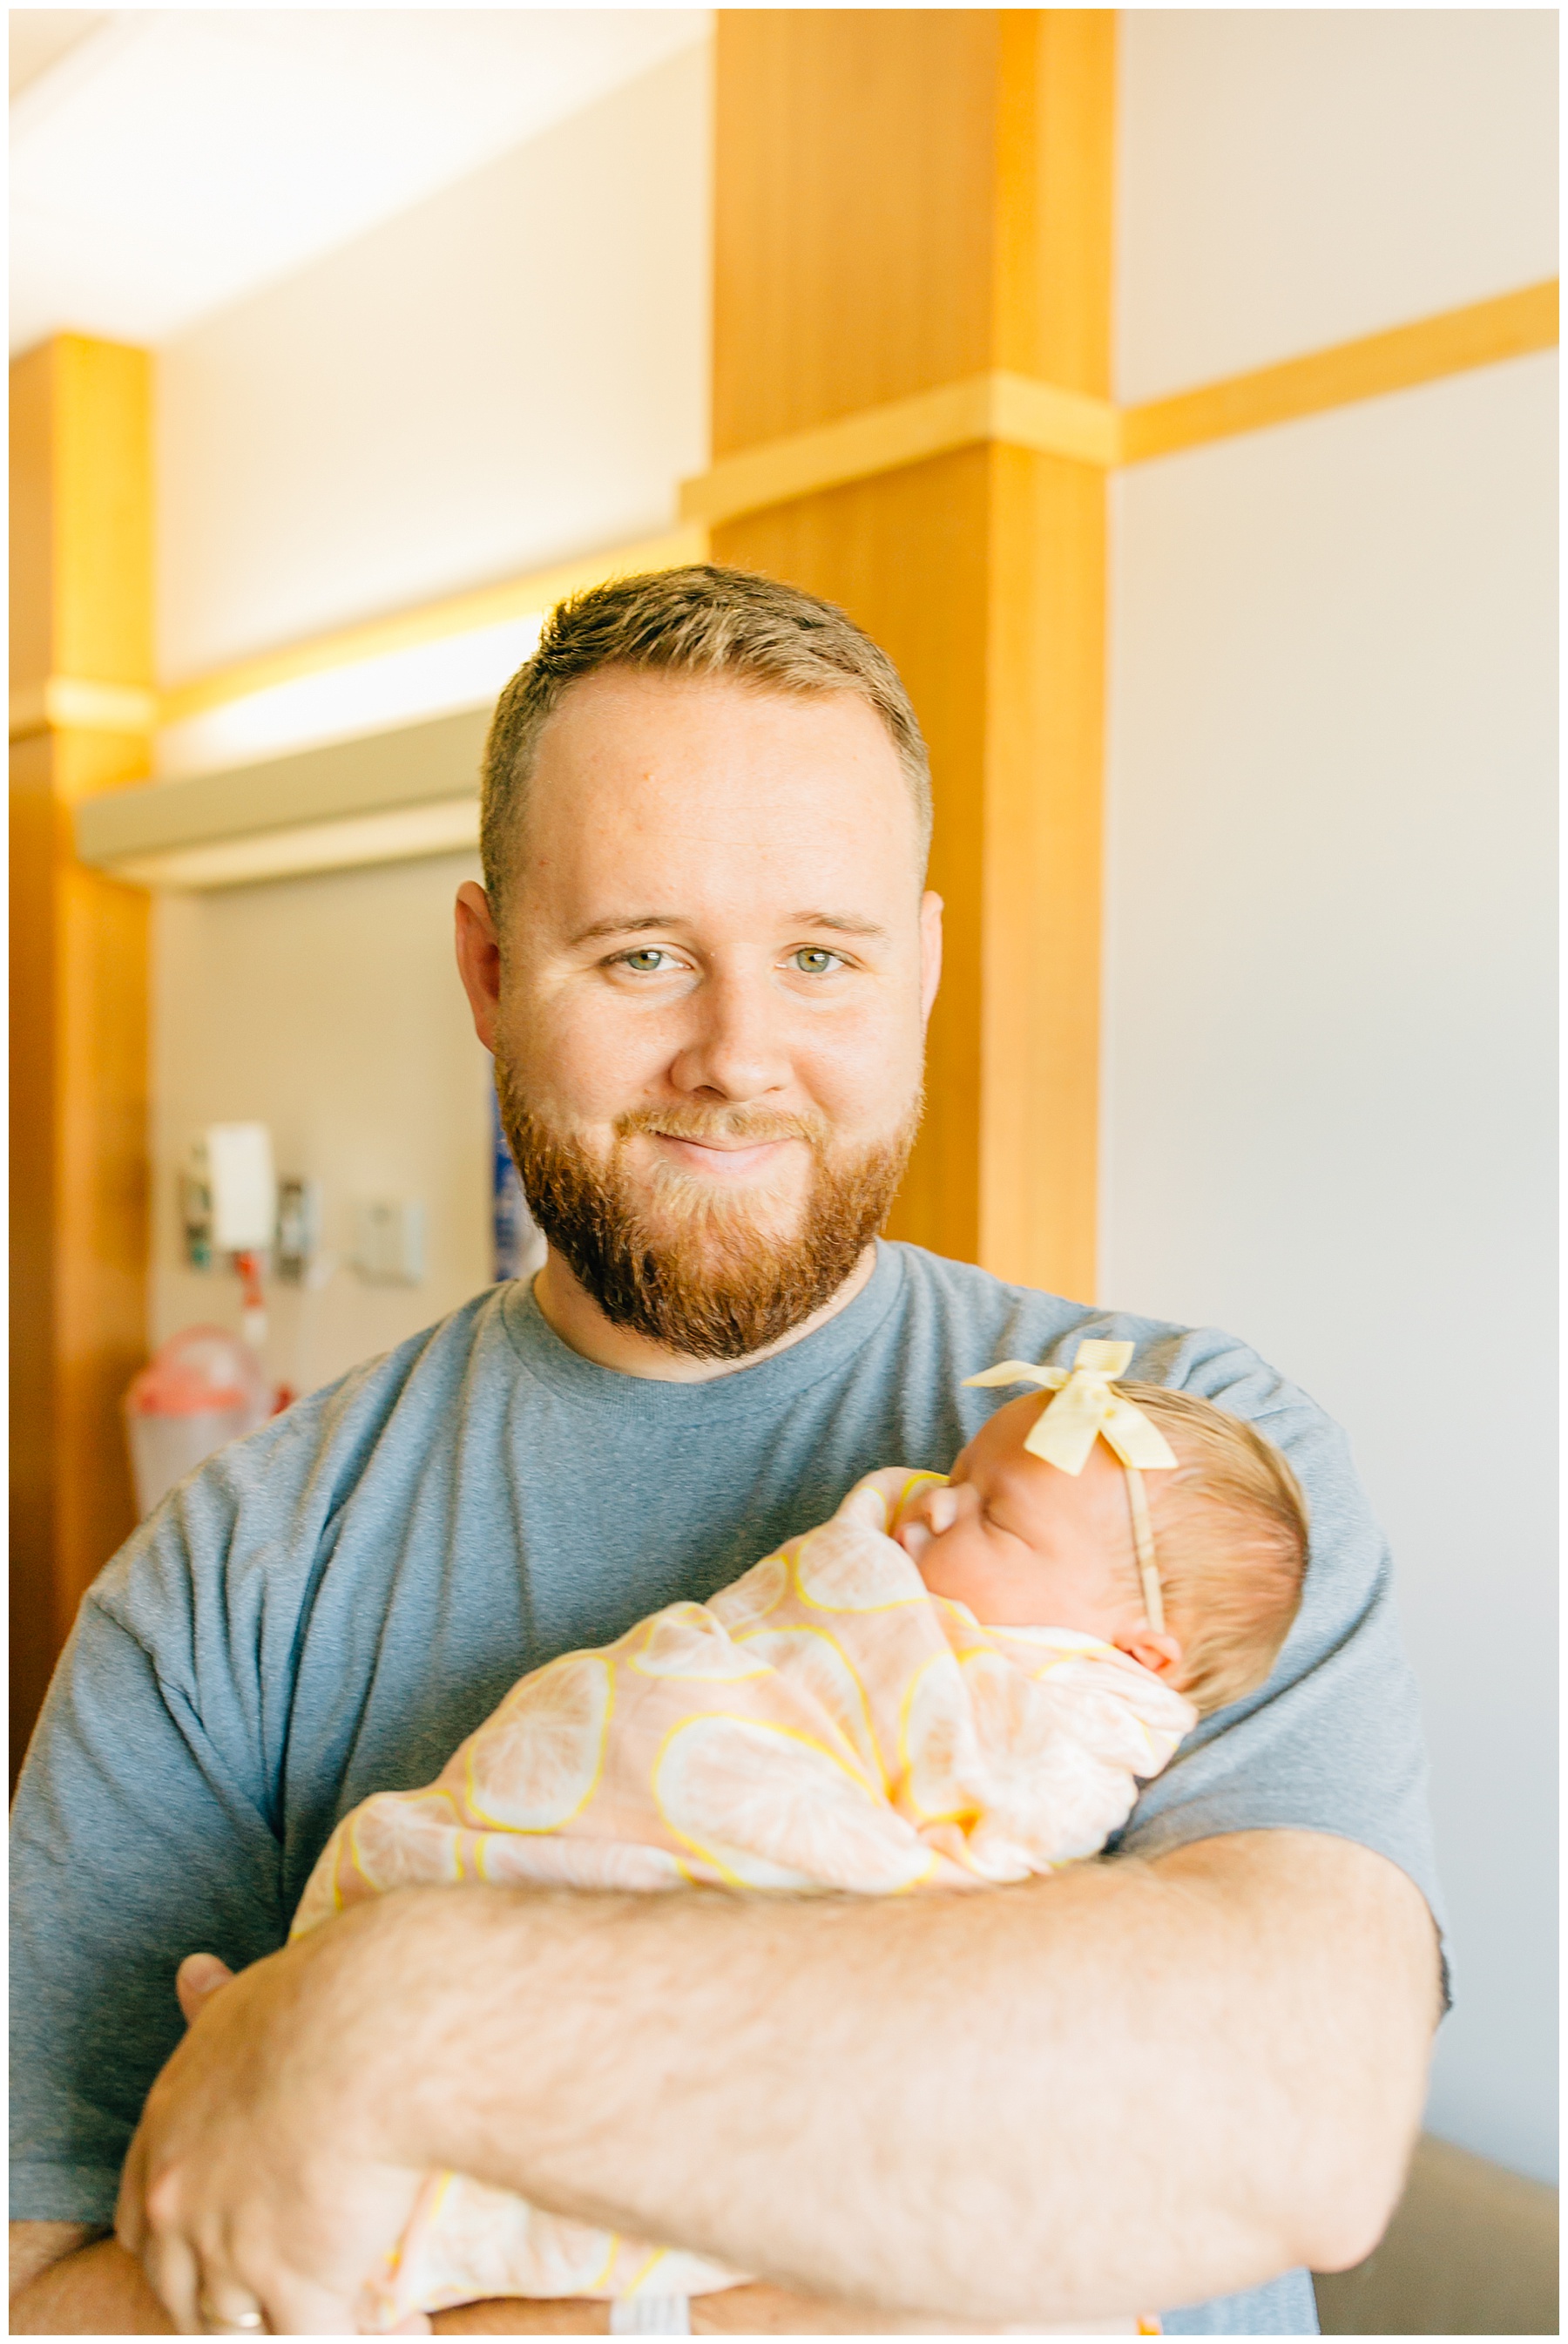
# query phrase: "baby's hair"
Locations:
[[1230, 1530]]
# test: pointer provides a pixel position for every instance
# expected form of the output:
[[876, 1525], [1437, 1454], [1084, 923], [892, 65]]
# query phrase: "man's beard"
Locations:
[[686, 1263]]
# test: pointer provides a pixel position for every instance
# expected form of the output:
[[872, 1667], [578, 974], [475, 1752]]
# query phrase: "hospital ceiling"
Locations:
[[165, 163]]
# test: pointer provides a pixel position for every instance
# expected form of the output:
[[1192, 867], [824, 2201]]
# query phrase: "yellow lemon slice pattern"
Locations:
[[540, 1860], [686, 1640], [537, 1760], [839, 1569], [810, 1662], [1022, 1747], [1054, 1790], [752, 1598], [475, 2235], [769, 1808], [394, 1842], [937, 1745]]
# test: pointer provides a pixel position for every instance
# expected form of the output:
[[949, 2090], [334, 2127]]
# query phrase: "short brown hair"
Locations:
[[701, 620], [1231, 1535]]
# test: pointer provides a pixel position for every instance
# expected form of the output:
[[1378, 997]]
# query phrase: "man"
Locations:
[[703, 962]]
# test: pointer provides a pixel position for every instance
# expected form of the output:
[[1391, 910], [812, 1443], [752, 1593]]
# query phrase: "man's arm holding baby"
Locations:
[[1135, 2083], [68, 2280]]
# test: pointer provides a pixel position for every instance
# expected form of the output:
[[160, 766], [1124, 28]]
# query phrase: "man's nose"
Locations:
[[737, 1047]]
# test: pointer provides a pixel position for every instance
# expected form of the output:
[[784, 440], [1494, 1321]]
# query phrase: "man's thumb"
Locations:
[[196, 1980]]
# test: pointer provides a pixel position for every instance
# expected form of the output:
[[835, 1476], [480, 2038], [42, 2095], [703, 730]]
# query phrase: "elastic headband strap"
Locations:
[[1143, 1543]]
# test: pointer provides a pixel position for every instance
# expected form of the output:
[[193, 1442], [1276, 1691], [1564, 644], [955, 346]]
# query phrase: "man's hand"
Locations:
[[258, 2180], [69, 2280], [755, 2310]]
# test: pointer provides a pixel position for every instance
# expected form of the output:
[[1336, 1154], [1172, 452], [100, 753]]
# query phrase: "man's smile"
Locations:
[[718, 1158]]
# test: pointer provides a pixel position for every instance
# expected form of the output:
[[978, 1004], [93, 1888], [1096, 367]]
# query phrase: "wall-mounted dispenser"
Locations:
[[234, 1162], [228, 1210]]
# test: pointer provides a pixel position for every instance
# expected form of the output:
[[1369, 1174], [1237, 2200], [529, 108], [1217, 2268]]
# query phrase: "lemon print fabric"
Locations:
[[768, 1807], [535, 1764], [822, 1724]]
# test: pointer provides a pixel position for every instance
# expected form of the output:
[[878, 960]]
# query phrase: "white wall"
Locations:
[[329, 1008], [1291, 177], [514, 371], [1329, 1117]]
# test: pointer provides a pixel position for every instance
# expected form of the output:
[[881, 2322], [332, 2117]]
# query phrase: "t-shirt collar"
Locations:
[[826, 1350]]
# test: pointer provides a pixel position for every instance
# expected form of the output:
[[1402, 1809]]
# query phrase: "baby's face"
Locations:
[[1024, 1544]]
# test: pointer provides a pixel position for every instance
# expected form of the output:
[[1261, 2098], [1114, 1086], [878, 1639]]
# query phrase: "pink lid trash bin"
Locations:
[[202, 1389]]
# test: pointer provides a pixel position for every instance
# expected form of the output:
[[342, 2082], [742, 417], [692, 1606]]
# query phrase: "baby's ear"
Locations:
[[1153, 1650]]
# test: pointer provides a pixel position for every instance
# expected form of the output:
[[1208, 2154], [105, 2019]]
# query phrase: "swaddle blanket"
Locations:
[[823, 1723]]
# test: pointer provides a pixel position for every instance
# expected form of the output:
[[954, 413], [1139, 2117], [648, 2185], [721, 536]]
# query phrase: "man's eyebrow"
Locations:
[[633, 926], [844, 924]]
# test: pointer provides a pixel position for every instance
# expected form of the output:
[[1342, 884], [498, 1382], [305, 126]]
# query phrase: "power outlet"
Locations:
[[389, 1240]]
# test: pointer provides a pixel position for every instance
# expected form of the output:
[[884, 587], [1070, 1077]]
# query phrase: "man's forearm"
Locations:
[[1130, 2085]]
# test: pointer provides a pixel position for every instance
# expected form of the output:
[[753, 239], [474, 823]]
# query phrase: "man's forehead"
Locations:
[[628, 722], [647, 779]]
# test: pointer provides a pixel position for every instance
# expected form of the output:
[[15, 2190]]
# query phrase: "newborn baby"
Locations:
[[953, 1683]]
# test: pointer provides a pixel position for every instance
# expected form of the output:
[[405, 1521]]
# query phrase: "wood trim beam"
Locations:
[[1011, 409], [1482, 333], [1000, 406], [85, 707], [82, 607]]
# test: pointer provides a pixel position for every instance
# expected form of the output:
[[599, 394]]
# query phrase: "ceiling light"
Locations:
[[366, 696]]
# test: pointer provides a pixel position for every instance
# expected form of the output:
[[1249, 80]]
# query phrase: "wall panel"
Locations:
[[1290, 178], [1328, 1087]]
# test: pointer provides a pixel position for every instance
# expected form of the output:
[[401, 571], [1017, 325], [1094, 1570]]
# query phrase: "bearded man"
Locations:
[[703, 961]]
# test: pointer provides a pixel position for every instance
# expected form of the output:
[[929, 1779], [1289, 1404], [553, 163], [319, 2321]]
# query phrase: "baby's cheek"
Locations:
[[951, 1564]]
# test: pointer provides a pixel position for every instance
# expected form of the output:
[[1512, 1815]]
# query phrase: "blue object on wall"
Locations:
[[513, 1234]]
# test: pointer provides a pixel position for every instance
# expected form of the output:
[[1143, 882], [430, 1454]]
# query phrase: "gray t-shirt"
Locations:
[[325, 1609]]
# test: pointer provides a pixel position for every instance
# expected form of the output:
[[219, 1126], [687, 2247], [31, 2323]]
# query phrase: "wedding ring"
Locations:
[[243, 2323]]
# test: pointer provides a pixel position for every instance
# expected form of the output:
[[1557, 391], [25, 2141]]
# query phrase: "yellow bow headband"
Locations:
[[1085, 1411]]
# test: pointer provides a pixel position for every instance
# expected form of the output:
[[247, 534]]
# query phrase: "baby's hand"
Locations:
[[929, 1511]]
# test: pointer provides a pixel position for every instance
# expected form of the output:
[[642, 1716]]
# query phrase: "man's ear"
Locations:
[[1159, 1654], [930, 949], [479, 959]]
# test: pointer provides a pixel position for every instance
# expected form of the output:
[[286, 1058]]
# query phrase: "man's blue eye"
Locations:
[[814, 960], [646, 960]]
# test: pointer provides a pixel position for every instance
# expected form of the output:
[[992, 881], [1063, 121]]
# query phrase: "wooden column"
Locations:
[[907, 200], [80, 713]]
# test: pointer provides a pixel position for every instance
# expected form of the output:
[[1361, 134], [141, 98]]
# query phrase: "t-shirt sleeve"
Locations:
[[1333, 1741], [136, 1838]]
